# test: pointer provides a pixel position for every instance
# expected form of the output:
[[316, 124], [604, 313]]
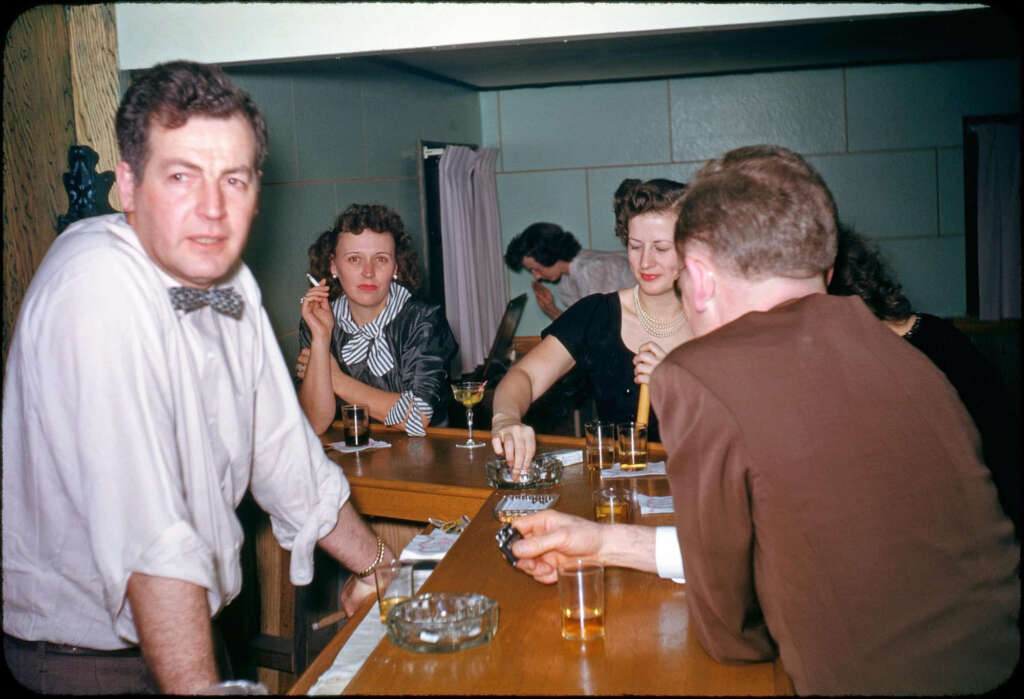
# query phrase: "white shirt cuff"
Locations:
[[667, 555]]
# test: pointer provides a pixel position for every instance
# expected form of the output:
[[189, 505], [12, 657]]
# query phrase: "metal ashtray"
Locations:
[[443, 622], [543, 471]]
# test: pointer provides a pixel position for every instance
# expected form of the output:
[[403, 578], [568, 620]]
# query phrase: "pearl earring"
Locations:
[[395, 276]]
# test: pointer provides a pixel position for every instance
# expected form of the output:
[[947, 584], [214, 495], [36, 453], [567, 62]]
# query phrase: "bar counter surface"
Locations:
[[648, 648]]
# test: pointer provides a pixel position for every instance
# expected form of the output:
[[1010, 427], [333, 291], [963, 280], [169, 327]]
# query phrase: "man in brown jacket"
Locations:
[[831, 503]]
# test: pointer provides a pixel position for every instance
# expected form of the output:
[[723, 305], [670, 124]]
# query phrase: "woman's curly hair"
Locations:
[[860, 271], [635, 197], [356, 219]]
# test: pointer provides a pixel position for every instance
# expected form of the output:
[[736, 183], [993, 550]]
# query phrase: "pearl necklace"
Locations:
[[653, 326]]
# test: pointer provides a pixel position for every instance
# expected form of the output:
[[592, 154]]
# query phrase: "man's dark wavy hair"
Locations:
[[547, 243], [169, 94], [356, 219]]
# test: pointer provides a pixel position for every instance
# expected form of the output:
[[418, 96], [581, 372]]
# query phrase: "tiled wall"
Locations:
[[339, 135], [887, 140]]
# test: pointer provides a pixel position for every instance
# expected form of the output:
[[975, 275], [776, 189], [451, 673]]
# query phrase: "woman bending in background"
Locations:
[[363, 338], [860, 271], [602, 332]]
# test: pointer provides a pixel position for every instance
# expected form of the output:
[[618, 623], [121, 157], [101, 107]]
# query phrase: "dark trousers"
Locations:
[[50, 668]]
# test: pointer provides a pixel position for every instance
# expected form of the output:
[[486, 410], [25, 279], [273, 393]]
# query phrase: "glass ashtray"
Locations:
[[543, 471], [443, 622]]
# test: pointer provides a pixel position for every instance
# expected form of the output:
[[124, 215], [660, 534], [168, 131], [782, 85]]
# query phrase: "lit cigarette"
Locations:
[[312, 281]]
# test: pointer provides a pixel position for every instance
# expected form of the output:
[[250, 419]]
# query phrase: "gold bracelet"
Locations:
[[376, 562]]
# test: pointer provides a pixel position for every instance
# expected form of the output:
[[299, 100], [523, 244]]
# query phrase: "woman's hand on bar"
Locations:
[[549, 537], [513, 440]]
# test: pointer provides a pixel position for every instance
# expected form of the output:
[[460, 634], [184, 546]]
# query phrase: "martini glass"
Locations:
[[469, 393]]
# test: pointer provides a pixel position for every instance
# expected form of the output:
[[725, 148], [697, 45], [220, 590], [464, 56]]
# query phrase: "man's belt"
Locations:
[[61, 649]]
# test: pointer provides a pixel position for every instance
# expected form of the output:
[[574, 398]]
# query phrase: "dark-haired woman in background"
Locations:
[[601, 333], [554, 255], [860, 271], [363, 338]]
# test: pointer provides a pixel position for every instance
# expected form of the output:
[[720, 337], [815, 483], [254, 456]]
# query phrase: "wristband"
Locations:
[[376, 562]]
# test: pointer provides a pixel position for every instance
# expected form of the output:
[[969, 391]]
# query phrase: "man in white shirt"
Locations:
[[144, 394], [554, 255]]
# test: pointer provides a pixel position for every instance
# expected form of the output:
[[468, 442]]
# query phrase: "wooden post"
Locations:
[[94, 82], [38, 129], [60, 86]]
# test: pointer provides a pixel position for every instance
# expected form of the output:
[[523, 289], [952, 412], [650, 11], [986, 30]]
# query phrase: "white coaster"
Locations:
[[345, 449], [654, 468]]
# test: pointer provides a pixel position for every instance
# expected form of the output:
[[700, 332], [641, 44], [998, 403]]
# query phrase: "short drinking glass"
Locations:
[[600, 446], [632, 446], [356, 423], [581, 597]]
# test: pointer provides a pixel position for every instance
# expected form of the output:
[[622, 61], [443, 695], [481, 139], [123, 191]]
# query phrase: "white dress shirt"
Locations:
[[594, 272], [131, 431]]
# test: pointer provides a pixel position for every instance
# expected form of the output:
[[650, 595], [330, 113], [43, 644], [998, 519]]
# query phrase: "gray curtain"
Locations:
[[999, 231], [474, 292]]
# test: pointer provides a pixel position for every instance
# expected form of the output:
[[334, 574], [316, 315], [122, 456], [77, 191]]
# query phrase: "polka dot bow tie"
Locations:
[[226, 301]]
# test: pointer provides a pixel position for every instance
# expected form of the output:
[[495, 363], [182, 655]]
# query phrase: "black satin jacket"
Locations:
[[422, 345]]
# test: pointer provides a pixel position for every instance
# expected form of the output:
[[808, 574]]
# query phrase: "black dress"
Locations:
[[422, 345], [984, 397], [591, 331]]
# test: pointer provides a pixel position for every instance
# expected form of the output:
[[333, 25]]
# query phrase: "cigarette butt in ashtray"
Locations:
[[643, 408]]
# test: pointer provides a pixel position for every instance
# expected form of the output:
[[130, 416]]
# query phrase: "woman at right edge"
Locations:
[[603, 332]]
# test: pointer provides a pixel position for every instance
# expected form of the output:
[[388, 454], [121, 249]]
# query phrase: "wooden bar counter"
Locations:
[[649, 647], [416, 477]]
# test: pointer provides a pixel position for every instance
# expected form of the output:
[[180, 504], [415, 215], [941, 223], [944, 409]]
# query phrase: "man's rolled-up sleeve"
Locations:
[[292, 480]]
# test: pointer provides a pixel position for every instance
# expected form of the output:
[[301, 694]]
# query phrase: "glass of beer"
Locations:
[[632, 446], [613, 505], [469, 393], [600, 446], [581, 597], [356, 424], [394, 584]]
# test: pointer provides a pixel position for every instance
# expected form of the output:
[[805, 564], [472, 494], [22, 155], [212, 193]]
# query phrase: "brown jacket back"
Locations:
[[831, 503]]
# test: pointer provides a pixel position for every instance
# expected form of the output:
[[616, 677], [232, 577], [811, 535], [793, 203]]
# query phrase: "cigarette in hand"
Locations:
[[312, 281]]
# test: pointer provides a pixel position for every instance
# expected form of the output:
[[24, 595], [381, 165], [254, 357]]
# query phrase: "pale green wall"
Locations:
[[887, 140], [339, 135]]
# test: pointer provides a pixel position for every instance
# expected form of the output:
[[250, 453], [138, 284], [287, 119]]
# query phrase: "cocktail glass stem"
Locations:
[[469, 425]]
